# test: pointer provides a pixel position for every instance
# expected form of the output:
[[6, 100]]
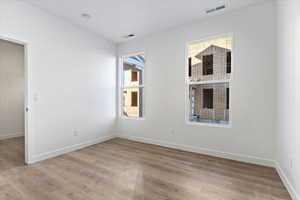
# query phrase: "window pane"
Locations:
[[208, 103], [132, 102], [211, 59], [133, 70]]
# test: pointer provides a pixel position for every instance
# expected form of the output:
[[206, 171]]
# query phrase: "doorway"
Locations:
[[13, 101]]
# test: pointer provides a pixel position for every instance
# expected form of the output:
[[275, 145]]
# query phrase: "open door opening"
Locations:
[[13, 117]]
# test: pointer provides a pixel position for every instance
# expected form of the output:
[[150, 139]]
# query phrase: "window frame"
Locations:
[[121, 86], [229, 81]]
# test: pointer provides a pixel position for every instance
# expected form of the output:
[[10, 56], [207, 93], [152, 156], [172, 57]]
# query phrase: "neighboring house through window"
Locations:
[[132, 86], [208, 81]]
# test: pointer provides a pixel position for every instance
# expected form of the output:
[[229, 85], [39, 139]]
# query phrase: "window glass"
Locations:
[[208, 81], [132, 86]]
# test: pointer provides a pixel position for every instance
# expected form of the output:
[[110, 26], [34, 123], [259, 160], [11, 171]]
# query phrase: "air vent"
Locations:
[[211, 10], [220, 7], [132, 35]]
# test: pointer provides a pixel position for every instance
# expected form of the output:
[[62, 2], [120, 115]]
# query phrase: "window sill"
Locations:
[[132, 118], [208, 124]]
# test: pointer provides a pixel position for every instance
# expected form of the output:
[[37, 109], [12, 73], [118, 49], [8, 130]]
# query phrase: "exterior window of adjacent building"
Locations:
[[208, 64], [228, 62], [227, 98], [208, 81], [208, 98], [132, 86], [190, 67], [134, 76], [134, 99]]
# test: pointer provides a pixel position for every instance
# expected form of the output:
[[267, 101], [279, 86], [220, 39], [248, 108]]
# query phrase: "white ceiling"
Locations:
[[113, 19]]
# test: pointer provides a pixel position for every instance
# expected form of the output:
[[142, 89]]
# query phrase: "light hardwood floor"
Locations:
[[120, 169]]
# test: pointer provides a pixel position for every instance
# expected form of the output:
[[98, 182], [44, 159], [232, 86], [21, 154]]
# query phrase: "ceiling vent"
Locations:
[[132, 35], [212, 10]]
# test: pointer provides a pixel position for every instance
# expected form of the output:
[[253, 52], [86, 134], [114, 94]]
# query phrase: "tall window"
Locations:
[[227, 98], [208, 64], [228, 62], [132, 86], [134, 99], [208, 81], [208, 98]]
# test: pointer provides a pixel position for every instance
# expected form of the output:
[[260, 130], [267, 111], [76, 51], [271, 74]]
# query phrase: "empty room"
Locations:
[[149, 100]]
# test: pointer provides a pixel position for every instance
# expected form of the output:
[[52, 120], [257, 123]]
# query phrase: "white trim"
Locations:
[[132, 118], [188, 83], [209, 124], [58, 152], [287, 183], [208, 82], [205, 151], [10, 135]]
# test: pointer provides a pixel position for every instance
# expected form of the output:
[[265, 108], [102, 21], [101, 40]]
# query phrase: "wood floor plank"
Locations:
[[120, 169]]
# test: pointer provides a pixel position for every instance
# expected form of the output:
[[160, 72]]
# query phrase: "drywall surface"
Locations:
[[71, 79], [11, 90], [251, 137], [288, 138]]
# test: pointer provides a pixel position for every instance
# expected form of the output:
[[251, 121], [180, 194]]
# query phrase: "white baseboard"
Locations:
[[287, 183], [11, 135], [205, 151], [58, 152]]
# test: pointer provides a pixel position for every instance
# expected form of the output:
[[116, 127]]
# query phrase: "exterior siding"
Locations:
[[219, 66], [219, 111]]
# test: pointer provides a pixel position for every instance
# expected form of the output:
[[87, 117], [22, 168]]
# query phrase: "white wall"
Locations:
[[71, 80], [11, 90], [288, 138], [251, 137]]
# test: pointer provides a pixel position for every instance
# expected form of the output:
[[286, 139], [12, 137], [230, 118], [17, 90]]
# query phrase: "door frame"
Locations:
[[26, 96]]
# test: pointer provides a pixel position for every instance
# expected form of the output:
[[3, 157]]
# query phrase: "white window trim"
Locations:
[[121, 87], [188, 83]]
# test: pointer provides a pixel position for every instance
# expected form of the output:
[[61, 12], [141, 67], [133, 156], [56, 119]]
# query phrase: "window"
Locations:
[[208, 63], [208, 96], [134, 76], [228, 62], [227, 98], [134, 99], [132, 86], [190, 67]]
